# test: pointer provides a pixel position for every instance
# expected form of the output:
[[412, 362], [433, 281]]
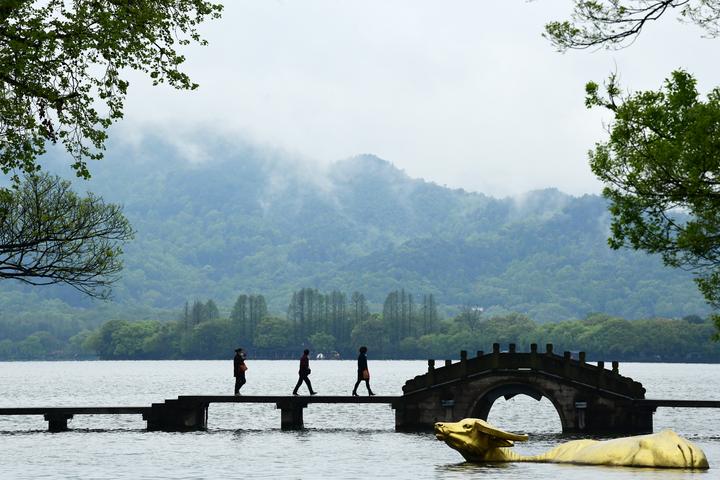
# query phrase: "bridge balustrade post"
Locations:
[[601, 374], [463, 363], [495, 362], [479, 353], [567, 356], [534, 364], [581, 357], [549, 348], [511, 348], [616, 367], [448, 362], [430, 377]]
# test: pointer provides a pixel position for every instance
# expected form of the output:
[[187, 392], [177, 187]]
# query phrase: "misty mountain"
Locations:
[[232, 218]]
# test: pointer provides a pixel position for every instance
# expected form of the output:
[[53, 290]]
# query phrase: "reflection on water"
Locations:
[[341, 441]]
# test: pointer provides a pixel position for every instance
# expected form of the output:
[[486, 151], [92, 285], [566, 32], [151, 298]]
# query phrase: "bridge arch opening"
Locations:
[[519, 408]]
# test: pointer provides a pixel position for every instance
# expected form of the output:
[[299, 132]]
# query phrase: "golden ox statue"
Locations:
[[478, 441]]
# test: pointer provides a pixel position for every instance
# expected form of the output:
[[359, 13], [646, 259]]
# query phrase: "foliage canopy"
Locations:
[[60, 62], [661, 169], [617, 23], [602, 337], [61, 81], [660, 165], [49, 234]]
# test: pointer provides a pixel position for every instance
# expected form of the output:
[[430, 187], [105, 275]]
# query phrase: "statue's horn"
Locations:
[[488, 429]]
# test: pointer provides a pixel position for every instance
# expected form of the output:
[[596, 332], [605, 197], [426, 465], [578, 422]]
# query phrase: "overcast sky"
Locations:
[[462, 93]]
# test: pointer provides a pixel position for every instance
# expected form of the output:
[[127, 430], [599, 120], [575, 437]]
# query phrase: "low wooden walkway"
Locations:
[[57, 417], [74, 410], [189, 412], [291, 408], [655, 403], [294, 398]]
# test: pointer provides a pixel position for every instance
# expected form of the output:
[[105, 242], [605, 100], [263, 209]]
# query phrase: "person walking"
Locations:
[[363, 372], [303, 373], [239, 368]]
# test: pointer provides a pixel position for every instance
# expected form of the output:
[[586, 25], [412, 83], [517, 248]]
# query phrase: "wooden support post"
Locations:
[[291, 414], [176, 416], [407, 417], [193, 417], [57, 422]]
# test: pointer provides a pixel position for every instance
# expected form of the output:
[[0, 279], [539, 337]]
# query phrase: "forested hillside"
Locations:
[[232, 219]]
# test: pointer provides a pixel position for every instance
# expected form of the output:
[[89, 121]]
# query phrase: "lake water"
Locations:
[[340, 441]]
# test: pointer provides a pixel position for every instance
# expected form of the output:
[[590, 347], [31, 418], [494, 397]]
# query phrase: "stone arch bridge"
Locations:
[[588, 397]]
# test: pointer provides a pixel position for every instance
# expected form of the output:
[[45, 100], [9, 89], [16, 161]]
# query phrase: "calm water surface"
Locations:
[[340, 441]]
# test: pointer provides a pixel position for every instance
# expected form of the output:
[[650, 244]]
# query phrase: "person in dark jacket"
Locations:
[[239, 368], [363, 372], [303, 373]]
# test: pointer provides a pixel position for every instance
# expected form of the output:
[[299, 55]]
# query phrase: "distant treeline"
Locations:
[[332, 323], [336, 324]]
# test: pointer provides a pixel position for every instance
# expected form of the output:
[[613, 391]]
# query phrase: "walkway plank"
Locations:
[[285, 398]]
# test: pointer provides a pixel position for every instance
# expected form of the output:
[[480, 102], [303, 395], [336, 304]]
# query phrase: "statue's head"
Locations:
[[475, 439]]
